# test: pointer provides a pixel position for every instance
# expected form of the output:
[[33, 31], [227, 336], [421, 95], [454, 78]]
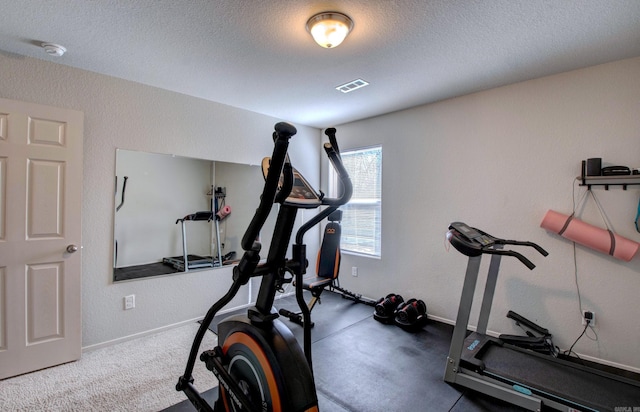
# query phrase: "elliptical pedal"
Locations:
[[294, 317]]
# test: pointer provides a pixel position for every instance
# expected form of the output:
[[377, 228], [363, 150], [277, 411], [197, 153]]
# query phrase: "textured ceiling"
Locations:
[[257, 55]]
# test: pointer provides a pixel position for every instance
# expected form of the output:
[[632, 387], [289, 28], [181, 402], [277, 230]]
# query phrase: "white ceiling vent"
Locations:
[[352, 85]]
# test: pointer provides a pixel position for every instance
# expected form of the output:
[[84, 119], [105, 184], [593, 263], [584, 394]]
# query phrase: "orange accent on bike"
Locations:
[[254, 347]]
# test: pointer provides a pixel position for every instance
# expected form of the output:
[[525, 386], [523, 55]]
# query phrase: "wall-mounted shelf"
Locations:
[[606, 181]]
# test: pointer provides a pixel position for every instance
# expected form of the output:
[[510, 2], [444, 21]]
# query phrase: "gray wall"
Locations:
[[498, 160], [122, 114]]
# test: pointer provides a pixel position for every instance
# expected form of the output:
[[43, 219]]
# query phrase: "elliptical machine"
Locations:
[[258, 362]]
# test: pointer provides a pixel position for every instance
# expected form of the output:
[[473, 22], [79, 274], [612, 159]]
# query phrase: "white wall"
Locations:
[[122, 114], [498, 160]]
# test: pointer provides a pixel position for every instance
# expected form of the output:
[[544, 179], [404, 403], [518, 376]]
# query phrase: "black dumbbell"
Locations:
[[386, 307], [411, 315]]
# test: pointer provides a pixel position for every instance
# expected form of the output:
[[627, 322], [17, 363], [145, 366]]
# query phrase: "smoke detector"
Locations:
[[54, 49]]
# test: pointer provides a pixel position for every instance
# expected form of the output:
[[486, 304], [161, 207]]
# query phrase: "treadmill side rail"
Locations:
[[499, 391]]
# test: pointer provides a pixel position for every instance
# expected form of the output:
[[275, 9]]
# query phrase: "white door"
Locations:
[[40, 216]]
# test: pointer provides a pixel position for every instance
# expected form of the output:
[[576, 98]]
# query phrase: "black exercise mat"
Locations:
[[333, 314], [375, 367], [361, 365]]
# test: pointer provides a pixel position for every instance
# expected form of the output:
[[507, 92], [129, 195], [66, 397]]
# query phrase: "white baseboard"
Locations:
[[138, 335], [90, 348]]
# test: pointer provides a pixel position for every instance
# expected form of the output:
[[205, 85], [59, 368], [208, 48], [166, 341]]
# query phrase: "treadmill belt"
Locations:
[[561, 379]]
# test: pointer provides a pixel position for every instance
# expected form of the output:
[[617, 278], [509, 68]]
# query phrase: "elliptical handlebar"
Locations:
[[279, 159], [336, 162], [334, 203], [283, 132], [299, 248], [331, 134]]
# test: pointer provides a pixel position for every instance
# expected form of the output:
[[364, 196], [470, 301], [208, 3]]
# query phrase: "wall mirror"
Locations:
[[165, 210]]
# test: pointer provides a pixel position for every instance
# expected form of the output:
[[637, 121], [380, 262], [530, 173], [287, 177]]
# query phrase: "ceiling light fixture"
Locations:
[[329, 28], [54, 49]]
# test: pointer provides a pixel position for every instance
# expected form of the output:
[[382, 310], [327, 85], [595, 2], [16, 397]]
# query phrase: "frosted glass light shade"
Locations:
[[329, 29]]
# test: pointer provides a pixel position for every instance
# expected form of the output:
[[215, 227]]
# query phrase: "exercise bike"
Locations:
[[258, 362]]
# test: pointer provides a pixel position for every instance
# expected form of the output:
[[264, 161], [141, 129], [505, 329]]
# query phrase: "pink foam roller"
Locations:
[[224, 212], [589, 235]]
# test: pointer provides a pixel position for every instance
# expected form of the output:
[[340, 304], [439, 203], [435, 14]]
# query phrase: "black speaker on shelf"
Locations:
[[594, 166]]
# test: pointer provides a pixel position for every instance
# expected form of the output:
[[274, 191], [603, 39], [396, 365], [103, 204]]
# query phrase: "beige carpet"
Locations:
[[137, 375]]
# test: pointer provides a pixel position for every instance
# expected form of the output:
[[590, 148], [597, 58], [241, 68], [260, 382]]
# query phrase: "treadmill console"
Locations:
[[467, 240], [471, 235]]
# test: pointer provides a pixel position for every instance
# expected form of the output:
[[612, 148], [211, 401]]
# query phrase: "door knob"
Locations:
[[72, 248]]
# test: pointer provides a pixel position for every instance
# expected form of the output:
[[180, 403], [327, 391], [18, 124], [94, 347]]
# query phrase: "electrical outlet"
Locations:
[[129, 302], [587, 314], [354, 271]]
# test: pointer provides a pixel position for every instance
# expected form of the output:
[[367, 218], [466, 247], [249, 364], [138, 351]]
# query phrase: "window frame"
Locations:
[[334, 187]]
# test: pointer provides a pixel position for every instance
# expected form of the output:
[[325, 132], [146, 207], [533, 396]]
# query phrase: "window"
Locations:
[[362, 216]]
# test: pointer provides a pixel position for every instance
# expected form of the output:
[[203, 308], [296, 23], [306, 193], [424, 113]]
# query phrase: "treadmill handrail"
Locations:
[[526, 243], [473, 246], [515, 254]]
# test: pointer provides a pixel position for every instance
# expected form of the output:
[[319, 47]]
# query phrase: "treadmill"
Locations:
[[516, 375], [187, 262]]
